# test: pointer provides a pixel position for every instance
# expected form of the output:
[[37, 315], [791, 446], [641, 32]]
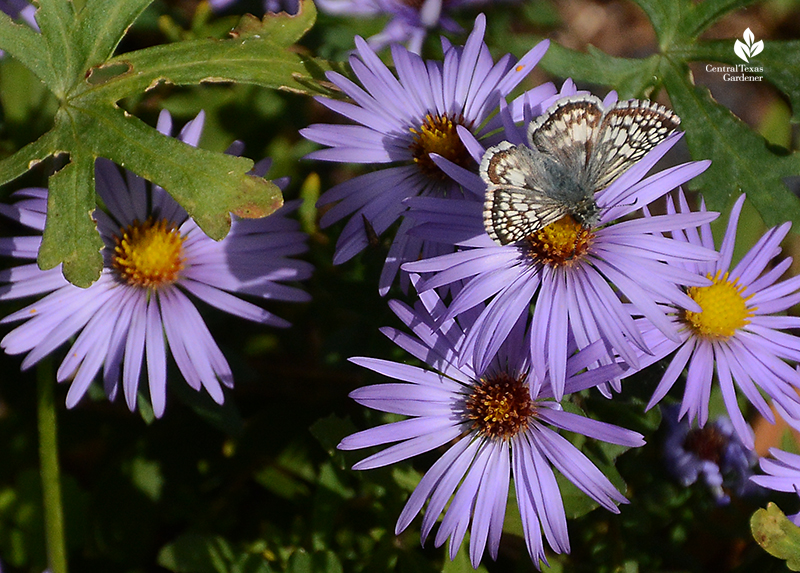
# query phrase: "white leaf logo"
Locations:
[[749, 48]]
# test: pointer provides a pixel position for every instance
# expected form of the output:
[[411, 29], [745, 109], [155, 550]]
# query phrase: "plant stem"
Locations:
[[50, 474]]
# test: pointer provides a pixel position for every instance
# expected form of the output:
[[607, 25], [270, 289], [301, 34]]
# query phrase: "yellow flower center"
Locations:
[[149, 254], [501, 406], [438, 134], [724, 308], [560, 243]]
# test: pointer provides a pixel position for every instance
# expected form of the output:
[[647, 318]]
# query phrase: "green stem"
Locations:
[[48, 458]]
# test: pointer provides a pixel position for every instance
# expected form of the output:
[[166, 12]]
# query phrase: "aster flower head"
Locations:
[[404, 118], [155, 257], [575, 273], [501, 423], [738, 332], [783, 474], [713, 452]]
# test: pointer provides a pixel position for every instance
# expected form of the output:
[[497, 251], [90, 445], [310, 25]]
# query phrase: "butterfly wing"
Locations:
[[512, 213], [515, 204], [629, 130], [566, 132]]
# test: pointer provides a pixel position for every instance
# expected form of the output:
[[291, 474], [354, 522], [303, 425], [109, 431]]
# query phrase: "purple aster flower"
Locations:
[[738, 331], [714, 452], [783, 475], [575, 274], [404, 119], [410, 22], [498, 423], [154, 256]]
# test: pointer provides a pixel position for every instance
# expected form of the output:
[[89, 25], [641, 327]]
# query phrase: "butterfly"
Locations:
[[575, 149]]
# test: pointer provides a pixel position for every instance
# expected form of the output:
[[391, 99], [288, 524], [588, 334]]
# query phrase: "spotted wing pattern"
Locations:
[[577, 148], [630, 129], [567, 130], [514, 207]]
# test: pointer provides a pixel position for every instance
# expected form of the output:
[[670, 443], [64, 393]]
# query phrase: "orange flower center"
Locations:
[[560, 243]]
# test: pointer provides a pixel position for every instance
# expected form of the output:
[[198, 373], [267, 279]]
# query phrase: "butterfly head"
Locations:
[[586, 212]]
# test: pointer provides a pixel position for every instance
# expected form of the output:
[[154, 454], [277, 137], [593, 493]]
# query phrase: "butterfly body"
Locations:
[[576, 148]]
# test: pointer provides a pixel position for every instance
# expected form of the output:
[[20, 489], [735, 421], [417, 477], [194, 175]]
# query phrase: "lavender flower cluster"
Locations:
[[507, 329], [504, 332]]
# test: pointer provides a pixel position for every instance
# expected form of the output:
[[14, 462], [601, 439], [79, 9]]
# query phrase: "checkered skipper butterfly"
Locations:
[[575, 149]]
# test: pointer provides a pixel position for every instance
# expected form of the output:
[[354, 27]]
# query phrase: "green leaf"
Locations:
[[281, 484], [195, 553], [56, 20], [71, 234], [26, 46], [330, 431], [461, 563], [300, 562], [259, 52], [777, 535], [703, 14], [69, 56], [630, 77], [742, 160], [665, 16], [29, 156], [101, 25], [208, 185]]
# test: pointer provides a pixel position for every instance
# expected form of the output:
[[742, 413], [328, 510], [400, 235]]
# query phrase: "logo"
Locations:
[[744, 50], [748, 49]]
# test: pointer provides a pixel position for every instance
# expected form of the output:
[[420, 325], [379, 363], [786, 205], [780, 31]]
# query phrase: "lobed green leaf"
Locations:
[[30, 155], [208, 185], [259, 52], [56, 20], [703, 14], [665, 16], [742, 160], [71, 236], [630, 77], [26, 46], [100, 25], [70, 56]]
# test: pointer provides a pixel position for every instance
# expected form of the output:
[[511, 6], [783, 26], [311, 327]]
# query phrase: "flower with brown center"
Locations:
[[495, 424], [500, 406], [561, 243]]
